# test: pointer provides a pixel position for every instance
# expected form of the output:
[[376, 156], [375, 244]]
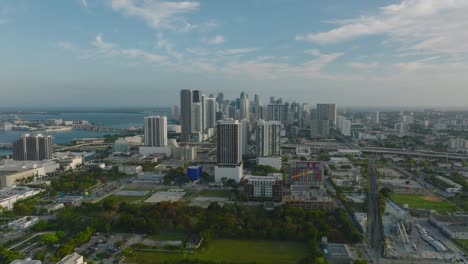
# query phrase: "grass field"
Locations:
[[464, 243], [165, 235], [215, 193], [233, 251], [423, 202]]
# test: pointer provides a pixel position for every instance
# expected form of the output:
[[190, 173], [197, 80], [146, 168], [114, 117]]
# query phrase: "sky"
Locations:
[[142, 52]]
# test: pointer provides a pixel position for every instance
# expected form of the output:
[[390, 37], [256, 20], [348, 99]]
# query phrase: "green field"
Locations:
[[464, 244], [215, 193], [166, 235], [419, 202], [233, 251]]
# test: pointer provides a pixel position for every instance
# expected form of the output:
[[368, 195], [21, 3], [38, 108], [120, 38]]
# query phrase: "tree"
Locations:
[[49, 239]]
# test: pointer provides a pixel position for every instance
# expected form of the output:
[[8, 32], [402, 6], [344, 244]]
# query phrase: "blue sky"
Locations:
[[142, 52]]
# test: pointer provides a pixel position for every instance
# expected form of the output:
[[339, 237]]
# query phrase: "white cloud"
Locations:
[[66, 45], [314, 52], [431, 26], [218, 39], [163, 43], [84, 3], [236, 51], [363, 66], [103, 48], [158, 14], [197, 51]]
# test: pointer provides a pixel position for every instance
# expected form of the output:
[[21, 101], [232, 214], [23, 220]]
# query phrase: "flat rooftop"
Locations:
[[17, 165]]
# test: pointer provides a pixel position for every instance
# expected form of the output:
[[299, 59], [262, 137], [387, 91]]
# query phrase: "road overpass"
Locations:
[[424, 154]]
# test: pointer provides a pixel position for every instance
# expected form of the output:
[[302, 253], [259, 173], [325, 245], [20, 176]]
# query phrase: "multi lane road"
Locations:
[[374, 220]]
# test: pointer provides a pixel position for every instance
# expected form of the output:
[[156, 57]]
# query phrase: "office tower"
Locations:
[[375, 118], [288, 118], [229, 151], [229, 143], [245, 136], [319, 128], [244, 108], [343, 125], [197, 121], [185, 114], [272, 100], [220, 98], [327, 112], [175, 112], [29, 147], [232, 111], [260, 114], [256, 100], [155, 131], [268, 138], [209, 113], [276, 112]]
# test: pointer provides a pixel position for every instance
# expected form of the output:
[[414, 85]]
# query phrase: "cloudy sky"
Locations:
[[142, 52]]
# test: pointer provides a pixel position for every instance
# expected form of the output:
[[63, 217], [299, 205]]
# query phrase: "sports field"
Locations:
[[428, 202], [233, 251], [215, 193]]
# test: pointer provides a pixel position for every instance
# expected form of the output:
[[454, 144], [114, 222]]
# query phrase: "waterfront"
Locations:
[[114, 120]]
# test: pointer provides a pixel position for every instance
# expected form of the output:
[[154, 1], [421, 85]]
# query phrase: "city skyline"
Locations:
[[107, 53]]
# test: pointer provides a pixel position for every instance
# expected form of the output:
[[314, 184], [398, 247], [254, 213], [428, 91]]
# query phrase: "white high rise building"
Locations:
[[156, 131], [209, 112], [268, 138], [343, 125], [244, 108]]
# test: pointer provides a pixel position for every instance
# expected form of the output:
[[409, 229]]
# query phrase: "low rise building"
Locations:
[[13, 172], [10, 195], [73, 258], [131, 170], [264, 187], [23, 223], [274, 162]]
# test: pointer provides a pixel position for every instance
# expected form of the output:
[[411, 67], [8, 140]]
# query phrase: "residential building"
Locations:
[[185, 114], [268, 134], [276, 113], [326, 112], [344, 126], [28, 147], [264, 187], [244, 108], [155, 131]]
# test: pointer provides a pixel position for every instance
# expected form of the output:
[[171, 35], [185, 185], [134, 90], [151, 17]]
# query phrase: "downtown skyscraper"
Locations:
[[268, 135], [185, 115]]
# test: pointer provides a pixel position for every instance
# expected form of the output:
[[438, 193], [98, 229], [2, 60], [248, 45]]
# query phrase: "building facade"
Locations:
[[268, 138], [28, 147], [155, 131]]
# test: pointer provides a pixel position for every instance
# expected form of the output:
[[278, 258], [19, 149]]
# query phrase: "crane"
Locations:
[[307, 174]]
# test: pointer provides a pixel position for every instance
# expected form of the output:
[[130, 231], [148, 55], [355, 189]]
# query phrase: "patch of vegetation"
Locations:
[[221, 251], [417, 201]]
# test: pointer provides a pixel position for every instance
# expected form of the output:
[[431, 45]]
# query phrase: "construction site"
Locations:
[[408, 238], [307, 186]]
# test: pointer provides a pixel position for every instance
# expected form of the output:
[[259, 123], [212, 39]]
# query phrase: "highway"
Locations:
[[374, 221]]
